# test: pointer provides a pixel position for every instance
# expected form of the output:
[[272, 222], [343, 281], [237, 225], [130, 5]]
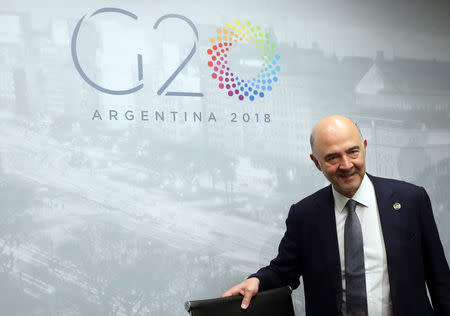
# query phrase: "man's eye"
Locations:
[[354, 153]]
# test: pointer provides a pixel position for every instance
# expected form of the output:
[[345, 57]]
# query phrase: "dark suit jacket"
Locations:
[[414, 252]]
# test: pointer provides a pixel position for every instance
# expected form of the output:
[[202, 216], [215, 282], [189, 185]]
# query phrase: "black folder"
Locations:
[[277, 302]]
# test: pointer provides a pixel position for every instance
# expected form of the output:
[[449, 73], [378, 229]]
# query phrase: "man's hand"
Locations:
[[247, 288]]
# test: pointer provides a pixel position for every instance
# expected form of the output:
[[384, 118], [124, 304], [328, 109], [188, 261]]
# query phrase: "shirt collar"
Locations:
[[362, 195]]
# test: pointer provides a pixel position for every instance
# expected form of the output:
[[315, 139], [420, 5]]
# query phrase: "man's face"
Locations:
[[340, 154]]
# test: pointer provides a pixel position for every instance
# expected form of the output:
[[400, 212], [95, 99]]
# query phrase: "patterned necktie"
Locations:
[[355, 278]]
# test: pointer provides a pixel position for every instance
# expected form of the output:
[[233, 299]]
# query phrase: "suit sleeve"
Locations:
[[286, 268], [437, 272]]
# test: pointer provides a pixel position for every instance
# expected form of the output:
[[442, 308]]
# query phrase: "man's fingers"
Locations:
[[248, 294], [235, 290], [247, 288], [227, 293]]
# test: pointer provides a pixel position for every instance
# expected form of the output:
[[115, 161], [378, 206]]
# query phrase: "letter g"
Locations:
[[77, 62]]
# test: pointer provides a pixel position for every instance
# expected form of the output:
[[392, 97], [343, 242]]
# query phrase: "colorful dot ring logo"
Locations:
[[231, 82]]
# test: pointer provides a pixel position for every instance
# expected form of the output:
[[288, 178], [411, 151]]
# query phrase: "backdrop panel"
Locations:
[[150, 150]]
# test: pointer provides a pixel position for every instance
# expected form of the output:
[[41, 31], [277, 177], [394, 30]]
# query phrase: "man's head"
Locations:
[[339, 152]]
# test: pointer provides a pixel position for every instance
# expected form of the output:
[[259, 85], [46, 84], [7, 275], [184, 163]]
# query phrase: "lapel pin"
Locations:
[[397, 206]]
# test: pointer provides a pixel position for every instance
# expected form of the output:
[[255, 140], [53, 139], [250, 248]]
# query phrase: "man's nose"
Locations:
[[346, 163]]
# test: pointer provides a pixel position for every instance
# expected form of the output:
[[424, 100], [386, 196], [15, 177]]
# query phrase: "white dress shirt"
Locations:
[[377, 279]]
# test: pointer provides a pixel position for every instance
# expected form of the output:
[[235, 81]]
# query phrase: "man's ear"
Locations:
[[316, 162], [365, 143]]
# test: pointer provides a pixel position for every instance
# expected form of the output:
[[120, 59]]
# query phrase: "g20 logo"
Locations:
[[218, 54], [243, 88]]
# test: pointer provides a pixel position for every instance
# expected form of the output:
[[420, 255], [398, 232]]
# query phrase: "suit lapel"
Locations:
[[385, 201], [328, 234]]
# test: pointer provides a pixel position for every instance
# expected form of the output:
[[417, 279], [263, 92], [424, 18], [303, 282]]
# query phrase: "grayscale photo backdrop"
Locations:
[[134, 217]]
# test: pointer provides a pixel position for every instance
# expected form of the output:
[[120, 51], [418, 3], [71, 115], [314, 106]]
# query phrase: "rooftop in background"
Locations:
[[409, 76]]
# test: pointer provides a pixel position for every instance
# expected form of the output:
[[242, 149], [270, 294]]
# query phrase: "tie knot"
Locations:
[[351, 205]]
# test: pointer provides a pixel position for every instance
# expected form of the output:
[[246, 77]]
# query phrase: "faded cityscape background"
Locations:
[[134, 217]]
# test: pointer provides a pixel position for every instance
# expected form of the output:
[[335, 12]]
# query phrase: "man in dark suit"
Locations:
[[364, 245]]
